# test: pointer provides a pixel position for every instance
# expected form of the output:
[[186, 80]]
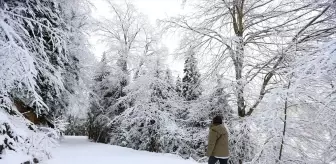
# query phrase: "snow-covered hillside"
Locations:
[[78, 150]]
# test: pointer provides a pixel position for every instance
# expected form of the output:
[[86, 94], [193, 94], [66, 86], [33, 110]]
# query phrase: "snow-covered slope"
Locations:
[[78, 150]]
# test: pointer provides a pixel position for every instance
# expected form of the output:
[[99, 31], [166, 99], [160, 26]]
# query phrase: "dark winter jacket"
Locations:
[[218, 143]]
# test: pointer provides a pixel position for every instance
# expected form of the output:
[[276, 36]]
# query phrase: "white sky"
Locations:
[[154, 9]]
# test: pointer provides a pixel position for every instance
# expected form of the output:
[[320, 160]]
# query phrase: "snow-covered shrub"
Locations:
[[10, 138], [41, 143], [22, 141]]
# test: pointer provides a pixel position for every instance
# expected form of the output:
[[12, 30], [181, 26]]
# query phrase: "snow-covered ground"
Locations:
[[78, 150]]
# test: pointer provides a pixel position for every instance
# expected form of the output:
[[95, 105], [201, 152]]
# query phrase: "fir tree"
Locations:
[[168, 77], [102, 99], [151, 103], [35, 33], [178, 86], [219, 103], [191, 88]]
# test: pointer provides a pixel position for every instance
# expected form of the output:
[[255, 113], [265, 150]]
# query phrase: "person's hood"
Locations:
[[218, 128]]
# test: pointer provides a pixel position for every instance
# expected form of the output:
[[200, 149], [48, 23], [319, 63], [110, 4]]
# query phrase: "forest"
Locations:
[[268, 67]]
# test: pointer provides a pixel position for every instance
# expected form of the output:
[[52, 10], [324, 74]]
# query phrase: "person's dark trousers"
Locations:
[[213, 160]]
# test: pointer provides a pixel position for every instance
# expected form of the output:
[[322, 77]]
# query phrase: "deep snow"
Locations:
[[78, 150]]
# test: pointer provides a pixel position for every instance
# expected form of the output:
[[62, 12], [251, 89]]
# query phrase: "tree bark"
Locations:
[[238, 62], [285, 124], [238, 57]]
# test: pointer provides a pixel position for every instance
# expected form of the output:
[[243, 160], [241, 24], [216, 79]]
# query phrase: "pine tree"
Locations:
[[79, 67], [50, 75], [178, 86], [34, 33], [219, 103], [191, 88], [151, 102], [168, 77], [102, 98]]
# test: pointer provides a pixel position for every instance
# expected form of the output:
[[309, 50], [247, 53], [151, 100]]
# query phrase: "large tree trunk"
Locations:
[[238, 62], [238, 59], [238, 56]]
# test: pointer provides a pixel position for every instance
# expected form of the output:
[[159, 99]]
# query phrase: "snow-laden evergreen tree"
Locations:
[[169, 77], [33, 56], [49, 79], [148, 122], [43, 36], [219, 102], [104, 96], [68, 63], [178, 86], [76, 126], [79, 68], [191, 85]]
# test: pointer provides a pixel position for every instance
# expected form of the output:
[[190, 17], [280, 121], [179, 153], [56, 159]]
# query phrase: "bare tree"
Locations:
[[255, 37], [124, 35]]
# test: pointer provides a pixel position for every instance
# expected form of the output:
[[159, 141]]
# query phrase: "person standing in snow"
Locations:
[[218, 143]]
